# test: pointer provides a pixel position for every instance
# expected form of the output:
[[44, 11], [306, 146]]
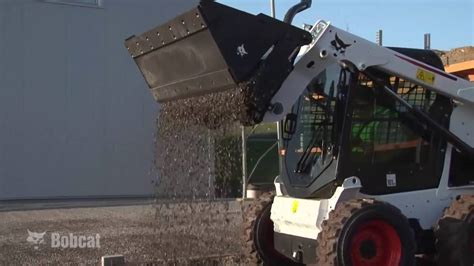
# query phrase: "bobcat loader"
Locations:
[[376, 153]]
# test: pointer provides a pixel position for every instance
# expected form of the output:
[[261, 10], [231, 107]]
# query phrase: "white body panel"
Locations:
[[303, 217], [424, 205], [461, 123]]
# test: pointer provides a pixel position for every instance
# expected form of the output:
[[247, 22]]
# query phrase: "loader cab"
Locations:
[[310, 148], [309, 156], [387, 147], [346, 126]]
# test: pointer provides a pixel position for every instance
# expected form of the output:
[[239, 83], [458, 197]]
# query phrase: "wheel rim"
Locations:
[[376, 242]]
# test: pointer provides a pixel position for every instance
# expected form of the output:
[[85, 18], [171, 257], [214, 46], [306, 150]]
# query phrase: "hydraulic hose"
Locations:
[[301, 6]]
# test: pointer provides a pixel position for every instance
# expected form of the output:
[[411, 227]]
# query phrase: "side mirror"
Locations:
[[289, 126]]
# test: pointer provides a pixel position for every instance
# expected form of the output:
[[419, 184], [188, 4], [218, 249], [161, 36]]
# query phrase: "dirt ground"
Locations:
[[199, 233]]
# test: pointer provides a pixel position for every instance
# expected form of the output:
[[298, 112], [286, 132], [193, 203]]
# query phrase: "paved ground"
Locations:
[[167, 233]]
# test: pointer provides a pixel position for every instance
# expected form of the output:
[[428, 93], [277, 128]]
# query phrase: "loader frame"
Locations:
[[299, 211]]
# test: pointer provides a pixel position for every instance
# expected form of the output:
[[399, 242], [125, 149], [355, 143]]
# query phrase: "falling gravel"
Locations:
[[196, 158], [192, 139]]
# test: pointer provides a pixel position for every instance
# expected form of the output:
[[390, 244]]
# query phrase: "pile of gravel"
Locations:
[[457, 55]]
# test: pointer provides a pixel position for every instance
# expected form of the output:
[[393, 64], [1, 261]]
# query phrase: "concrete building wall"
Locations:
[[76, 118]]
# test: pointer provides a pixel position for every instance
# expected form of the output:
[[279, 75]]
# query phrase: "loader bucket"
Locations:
[[213, 48]]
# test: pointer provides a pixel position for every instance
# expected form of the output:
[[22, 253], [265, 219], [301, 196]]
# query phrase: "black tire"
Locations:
[[455, 234], [365, 232], [258, 233]]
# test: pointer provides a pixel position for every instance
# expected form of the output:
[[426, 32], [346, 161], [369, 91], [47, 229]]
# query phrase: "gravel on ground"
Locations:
[[164, 233]]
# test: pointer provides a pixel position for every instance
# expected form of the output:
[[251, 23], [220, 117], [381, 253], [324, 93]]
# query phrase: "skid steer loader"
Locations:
[[376, 153]]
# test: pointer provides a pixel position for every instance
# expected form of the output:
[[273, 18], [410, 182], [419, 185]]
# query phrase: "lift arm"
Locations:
[[332, 45]]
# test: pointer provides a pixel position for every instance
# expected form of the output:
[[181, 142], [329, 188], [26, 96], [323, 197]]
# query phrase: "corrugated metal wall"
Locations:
[[76, 118]]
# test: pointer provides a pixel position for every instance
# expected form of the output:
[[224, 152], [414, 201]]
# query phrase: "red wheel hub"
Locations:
[[376, 243]]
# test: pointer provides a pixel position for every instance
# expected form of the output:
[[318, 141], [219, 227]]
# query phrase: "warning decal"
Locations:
[[425, 76]]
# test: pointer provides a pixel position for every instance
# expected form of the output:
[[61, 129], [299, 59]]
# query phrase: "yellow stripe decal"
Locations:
[[294, 206]]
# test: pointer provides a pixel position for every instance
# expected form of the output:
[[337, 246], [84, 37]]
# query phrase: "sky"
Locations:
[[404, 22]]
